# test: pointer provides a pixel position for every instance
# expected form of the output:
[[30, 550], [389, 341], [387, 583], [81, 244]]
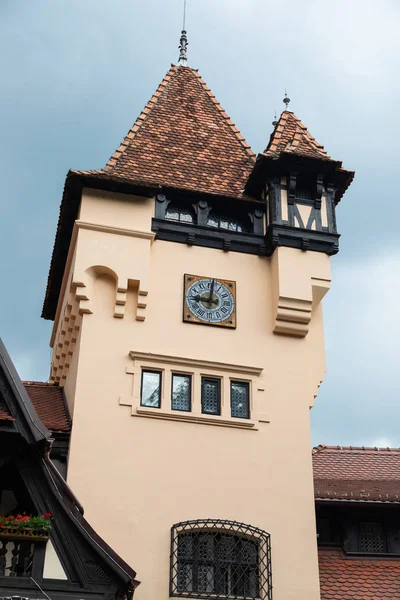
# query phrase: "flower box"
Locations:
[[25, 533], [26, 527]]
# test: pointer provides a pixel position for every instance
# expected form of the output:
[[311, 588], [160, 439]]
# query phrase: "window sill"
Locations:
[[201, 419]]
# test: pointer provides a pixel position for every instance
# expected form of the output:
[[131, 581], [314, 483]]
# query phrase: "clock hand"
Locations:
[[199, 298], [210, 300]]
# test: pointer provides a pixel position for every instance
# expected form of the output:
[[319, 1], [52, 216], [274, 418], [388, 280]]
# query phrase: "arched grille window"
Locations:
[[180, 214], [221, 559], [227, 223]]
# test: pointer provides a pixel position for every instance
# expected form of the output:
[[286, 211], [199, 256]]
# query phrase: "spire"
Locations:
[[275, 121], [286, 101], [183, 43]]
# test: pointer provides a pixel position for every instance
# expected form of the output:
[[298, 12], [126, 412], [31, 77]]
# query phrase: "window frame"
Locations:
[[238, 221], [261, 539], [158, 372], [244, 383], [205, 378], [190, 377], [179, 210]]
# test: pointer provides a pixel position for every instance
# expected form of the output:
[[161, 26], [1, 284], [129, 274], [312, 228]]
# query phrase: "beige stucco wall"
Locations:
[[136, 476]]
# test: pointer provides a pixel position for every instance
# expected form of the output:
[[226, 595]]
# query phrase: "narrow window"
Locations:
[[151, 389], [240, 402], [211, 395], [181, 392]]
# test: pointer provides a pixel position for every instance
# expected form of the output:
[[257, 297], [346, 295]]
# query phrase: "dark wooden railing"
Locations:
[[21, 556]]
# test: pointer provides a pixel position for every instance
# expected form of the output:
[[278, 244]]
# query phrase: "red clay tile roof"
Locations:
[[351, 473], [292, 137], [49, 404], [183, 139], [344, 578]]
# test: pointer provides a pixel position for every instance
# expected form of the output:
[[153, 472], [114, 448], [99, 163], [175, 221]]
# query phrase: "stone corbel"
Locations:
[[300, 281]]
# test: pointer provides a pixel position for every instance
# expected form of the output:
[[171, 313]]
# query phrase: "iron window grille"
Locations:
[[150, 394], [240, 399], [181, 392], [211, 395], [213, 558]]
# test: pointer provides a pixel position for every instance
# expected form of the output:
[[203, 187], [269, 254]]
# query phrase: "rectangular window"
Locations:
[[210, 396], [151, 389], [181, 392], [240, 399]]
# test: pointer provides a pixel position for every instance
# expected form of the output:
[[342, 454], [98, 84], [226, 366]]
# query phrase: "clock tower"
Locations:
[[185, 287]]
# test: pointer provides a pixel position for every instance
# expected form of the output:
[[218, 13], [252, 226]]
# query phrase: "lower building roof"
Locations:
[[357, 579]]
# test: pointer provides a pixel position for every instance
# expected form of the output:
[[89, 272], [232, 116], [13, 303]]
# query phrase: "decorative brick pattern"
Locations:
[[342, 578]]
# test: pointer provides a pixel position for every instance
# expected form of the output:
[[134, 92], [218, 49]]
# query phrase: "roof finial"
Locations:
[[183, 43], [286, 101], [275, 121]]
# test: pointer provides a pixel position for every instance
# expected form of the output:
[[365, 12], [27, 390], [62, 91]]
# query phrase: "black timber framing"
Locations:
[[93, 570]]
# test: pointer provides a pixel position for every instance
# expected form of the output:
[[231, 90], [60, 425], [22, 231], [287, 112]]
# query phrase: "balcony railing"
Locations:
[[21, 555]]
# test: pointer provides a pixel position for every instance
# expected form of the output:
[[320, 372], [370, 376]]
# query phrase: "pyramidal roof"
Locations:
[[183, 139], [292, 137]]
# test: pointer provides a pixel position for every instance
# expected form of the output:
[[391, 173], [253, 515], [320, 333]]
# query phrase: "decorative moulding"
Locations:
[[194, 362], [147, 235]]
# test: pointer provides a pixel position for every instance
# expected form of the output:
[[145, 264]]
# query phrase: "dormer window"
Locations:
[[227, 223], [179, 214]]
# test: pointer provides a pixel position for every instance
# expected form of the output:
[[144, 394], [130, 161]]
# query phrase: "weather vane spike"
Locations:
[[183, 43], [275, 121], [286, 101]]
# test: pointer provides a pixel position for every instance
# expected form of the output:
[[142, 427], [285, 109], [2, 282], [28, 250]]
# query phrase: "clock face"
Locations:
[[209, 301]]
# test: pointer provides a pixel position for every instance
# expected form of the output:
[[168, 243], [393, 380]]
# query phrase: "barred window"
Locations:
[[221, 559], [372, 538], [181, 392], [210, 395], [151, 389], [240, 404], [180, 214], [227, 223]]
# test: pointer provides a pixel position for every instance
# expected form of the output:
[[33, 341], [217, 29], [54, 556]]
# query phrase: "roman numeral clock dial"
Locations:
[[209, 301]]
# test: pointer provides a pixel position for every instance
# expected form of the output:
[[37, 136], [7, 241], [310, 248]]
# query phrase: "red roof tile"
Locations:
[[49, 404], [183, 139], [352, 473], [292, 137], [343, 578]]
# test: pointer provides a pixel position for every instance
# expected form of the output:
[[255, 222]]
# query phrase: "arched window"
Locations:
[[218, 558], [179, 214], [227, 223]]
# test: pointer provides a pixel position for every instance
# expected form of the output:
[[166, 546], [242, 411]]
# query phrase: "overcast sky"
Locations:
[[75, 75]]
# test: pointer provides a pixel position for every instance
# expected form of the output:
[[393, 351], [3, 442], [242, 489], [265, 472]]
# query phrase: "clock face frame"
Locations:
[[199, 306]]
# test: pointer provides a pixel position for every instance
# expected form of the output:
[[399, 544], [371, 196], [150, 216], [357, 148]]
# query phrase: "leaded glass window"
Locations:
[[211, 395], [240, 402], [181, 392], [227, 223], [151, 389], [221, 559], [180, 214], [372, 538]]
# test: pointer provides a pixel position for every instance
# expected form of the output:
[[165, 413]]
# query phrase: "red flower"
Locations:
[[47, 515]]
